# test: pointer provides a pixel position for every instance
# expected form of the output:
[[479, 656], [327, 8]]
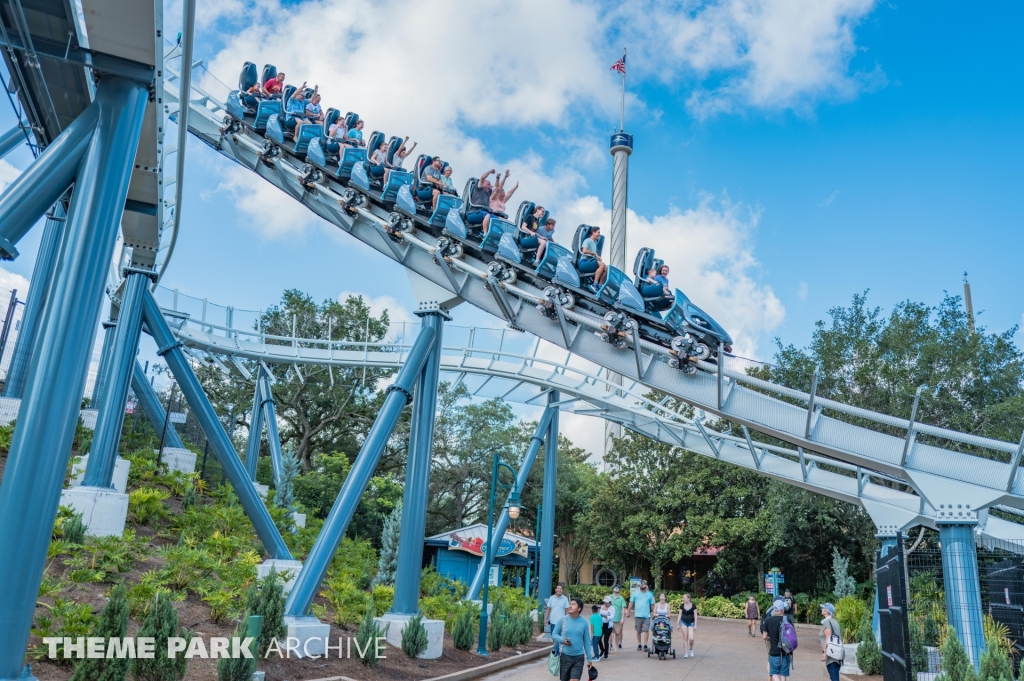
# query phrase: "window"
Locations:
[[604, 576]]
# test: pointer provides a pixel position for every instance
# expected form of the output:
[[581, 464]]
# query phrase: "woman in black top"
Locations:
[[687, 624]]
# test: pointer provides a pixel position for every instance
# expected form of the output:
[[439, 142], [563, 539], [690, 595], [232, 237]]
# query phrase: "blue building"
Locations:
[[457, 554]]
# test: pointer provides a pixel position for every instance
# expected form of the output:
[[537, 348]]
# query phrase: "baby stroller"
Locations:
[[661, 637]]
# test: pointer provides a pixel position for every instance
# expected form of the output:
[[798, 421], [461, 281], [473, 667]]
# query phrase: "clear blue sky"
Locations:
[[882, 151]]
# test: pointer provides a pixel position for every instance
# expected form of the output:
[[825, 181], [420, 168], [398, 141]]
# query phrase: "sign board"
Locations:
[[494, 576], [177, 417], [1006, 593], [473, 539], [634, 585], [769, 587], [129, 408], [781, 577], [888, 594]]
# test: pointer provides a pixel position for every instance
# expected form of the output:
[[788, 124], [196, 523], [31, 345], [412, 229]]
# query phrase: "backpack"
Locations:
[[787, 637]]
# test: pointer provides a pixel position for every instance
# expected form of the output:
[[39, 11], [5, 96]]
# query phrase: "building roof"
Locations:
[[479, 529]]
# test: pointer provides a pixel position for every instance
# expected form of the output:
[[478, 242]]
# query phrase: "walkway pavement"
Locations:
[[723, 651]]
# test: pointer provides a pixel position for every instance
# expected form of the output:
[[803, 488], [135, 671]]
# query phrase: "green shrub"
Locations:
[[918, 654], [414, 637], [718, 606], [498, 621], [383, 598], [956, 666], [113, 623], [388, 563], [6, 435], [66, 619], [869, 656], [266, 599], [464, 629], [350, 604], [366, 639], [147, 504], [995, 665], [160, 624], [73, 529], [849, 612], [188, 500], [239, 668]]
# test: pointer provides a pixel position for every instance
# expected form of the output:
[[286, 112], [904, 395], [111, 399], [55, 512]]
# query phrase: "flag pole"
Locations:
[[622, 114]]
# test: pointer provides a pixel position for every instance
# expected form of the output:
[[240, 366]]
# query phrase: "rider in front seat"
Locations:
[[481, 197], [434, 179]]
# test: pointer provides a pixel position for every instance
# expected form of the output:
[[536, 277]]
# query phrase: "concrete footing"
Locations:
[[311, 634], [262, 490], [395, 625], [89, 417], [179, 459], [119, 480], [104, 511], [300, 519], [287, 569]]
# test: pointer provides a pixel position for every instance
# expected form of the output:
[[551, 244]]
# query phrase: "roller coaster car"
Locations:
[[616, 291], [369, 177], [253, 112], [655, 300], [699, 337], [419, 197]]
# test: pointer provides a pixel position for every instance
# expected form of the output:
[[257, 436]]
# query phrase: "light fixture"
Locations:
[[513, 504]]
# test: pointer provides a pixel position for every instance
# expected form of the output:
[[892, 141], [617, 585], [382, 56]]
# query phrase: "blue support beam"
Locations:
[[398, 395], [417, 475], [273, 437], [47, 179], [886, 542], [539, 435], [170, 350], [38, 458], [38, 294], [103, 453], [13, 138], [252, 448], [99, 386], [962, 583], [150, 403], [547, 521]]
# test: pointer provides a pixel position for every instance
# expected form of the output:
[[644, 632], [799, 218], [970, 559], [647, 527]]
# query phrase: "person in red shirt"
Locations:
[[274, 86]]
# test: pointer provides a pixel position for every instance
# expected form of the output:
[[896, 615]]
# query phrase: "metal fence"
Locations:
[[12, 307]]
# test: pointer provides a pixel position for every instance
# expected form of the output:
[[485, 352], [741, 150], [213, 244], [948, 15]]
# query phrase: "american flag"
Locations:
[[619, 66]]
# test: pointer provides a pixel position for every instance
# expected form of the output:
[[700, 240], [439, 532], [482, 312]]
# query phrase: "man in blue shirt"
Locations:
[[590, 260], [573, 633], [640, 604], [296, 107]]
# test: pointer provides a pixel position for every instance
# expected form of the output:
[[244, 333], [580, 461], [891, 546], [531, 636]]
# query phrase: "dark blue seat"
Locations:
[[307, 133], [350, 157], [500, 240], [396, 180], [527, 243], [264, 110], [246, 79], [470, 211], [330, 146], [445, 203], [269, 71], [422, 192], [585, 266], [618, 291], [655, 300], [557, 265]]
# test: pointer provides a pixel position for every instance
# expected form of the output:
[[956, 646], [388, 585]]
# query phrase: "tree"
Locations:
[[388, 562], [845, 585], [975, 378], [324, 409], [284, 495], [414, 637], [160, 624], [956, 666], [113, 624]]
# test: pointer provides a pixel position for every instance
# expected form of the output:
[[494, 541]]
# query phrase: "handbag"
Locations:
[[834, 646], [554, 663]]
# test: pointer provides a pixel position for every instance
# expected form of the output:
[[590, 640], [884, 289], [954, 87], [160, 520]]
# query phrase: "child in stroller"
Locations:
[[661, 637]]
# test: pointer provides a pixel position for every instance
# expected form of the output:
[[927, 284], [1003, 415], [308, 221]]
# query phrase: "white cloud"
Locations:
[[830, 198], [8, 174], [753, 54], [801, 290], [709, 250], [273, 213], [10, 280]]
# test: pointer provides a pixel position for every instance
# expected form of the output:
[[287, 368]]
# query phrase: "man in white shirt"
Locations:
[[555, 609]]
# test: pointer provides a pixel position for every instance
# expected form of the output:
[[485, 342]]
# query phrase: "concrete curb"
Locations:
[[490, 668]]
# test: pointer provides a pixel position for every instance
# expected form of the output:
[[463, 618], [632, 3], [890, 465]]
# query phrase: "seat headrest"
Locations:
[[289, 90], [331, 117], [351, 119], [376, 139], [269, 71], [248, 77], [393, 145]]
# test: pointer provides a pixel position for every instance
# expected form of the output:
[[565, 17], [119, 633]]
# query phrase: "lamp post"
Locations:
[[513, 512]]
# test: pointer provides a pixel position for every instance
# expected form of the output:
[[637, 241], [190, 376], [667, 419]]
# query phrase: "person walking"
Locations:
[[771, 632], [753, 614], [607, 619], [790, 605], [640, 606], [619, 603], [573, 635], [555, 609], [596, 628], [829, 628], [687, 624]]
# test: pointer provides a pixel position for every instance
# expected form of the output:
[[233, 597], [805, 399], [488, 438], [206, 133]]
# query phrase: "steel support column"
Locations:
[[886, 541], [547, 521], [962, 583], [273, 437], [154, 410], [98, 388], [539, 435], [320, 556], [38, 458], [170, 350], [110, 420], [252, 447], [417, 475], [13, 138], [38, 294], [49, 176]]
